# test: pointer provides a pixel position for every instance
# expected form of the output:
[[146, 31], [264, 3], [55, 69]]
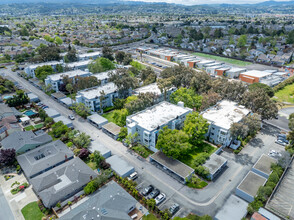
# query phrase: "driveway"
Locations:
[[6, 213], [205, 201]]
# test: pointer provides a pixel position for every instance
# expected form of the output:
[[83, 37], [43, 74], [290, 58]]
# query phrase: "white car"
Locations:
[[160, 198], [71, 117], [281, 142]]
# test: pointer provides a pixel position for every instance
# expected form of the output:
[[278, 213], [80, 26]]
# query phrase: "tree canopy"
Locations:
[[173, 143], [101, 64], [188, 96]]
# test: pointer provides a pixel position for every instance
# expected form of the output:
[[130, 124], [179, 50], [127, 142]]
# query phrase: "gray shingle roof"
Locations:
[[112, 203], [19, 139], [44, 158], [62, 181]]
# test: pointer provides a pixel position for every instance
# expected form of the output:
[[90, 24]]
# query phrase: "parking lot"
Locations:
[[170, 198]]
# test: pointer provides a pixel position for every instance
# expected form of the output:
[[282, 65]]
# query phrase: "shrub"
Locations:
[[58, 205], [84, 153], [90, 188]]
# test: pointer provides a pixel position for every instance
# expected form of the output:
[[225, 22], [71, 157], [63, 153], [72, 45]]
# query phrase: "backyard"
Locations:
[[32, 211], [31, 127], [285, 94], [223, 59], [108, 116]]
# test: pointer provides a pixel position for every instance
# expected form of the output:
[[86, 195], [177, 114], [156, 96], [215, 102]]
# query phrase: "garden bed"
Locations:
[[142, 151]]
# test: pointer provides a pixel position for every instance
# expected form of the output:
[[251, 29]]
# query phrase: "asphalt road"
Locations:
[[205, 201], [5, 213]]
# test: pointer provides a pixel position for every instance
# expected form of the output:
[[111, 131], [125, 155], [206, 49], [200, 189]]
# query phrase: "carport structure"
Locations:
[[175, 168], [282, 200]]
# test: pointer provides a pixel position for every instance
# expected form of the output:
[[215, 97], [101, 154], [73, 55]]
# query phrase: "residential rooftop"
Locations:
[[225, 113], [95, 92], [158, 115], [70, 74], [56, 184], [149, 88], [18, 139], [234, 208], [110, 202], [251, 183], [176, 166], [51, 63], [214, 163], [79, 63], [84, 55], [264, 164], [257, 73], [103, 75], [43, 158]]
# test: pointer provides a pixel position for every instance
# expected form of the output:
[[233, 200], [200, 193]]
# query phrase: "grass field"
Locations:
[[32, 211], [207, 148], [285, 94], [198, 185], [223, 59]]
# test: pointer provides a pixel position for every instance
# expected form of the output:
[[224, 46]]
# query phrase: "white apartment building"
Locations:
[[149, 122], [91, 97], [153, 88], [88, 56], [56, 79], [30, 70], [220, 118]]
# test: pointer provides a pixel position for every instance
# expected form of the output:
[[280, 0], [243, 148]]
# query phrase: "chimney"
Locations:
[[65, 157]]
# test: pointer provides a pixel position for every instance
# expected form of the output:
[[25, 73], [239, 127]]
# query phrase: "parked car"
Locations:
[[280, 142], [71, 117], [174, 208], [45, 106], [133, 176], [147, 190], [160, 198], [153, 194]]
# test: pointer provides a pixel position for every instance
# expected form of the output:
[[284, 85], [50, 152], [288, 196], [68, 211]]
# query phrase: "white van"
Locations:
[[133, 176]]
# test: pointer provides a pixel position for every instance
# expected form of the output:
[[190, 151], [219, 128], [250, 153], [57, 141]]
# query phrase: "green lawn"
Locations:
[[31, 127], [32, 211], [141, 150], [201, 149], [285, 94], [28, 128], [149, 217], [39, 126], [223, 59], [108, 116]]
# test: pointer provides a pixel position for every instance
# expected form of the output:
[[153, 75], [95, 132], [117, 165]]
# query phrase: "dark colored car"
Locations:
[[147, 190], [174, 208], [153, 194]]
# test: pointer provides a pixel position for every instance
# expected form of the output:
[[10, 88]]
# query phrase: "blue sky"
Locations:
[[195, 2]]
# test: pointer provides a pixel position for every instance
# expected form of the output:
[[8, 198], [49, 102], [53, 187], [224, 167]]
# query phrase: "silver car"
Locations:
[[160, 198]]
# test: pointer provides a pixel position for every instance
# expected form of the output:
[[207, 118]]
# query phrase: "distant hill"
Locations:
[[125, 2]]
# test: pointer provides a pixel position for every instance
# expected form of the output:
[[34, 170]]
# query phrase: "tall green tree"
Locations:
[[188, 96], [173, 143], [101, 65], [42, 72], [195, 126], [107, 53]]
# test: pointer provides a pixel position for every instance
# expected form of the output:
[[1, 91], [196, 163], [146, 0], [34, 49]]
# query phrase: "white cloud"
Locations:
[[196, 2]]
